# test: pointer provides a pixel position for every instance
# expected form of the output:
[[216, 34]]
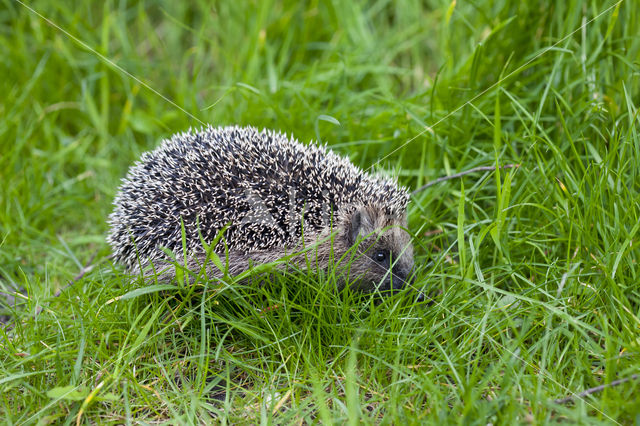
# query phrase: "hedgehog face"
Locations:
[[383, 258]]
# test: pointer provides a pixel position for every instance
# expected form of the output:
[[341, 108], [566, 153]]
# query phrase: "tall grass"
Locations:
[[532, 270]]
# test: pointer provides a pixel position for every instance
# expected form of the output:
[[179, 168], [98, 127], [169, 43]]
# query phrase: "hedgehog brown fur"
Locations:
[[273, 194]]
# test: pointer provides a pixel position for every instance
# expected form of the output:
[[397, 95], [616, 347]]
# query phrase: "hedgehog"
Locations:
[[269, 197]]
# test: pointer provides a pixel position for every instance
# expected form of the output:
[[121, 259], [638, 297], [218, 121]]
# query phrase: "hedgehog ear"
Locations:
[[359, 224]]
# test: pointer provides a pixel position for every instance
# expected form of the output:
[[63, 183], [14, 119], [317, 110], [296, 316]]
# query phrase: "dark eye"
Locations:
[[381, 256]]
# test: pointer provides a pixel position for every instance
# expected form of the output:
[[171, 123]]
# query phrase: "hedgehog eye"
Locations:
[[381, 256]]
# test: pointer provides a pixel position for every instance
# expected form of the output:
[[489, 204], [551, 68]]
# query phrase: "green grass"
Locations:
[[534, 270]]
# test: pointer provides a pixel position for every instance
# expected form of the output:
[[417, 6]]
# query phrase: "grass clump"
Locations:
[[533, 269]]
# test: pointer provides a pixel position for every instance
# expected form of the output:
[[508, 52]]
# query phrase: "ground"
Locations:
[[531, 269]]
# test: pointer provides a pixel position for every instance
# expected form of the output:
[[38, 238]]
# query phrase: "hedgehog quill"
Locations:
[[272, 196]]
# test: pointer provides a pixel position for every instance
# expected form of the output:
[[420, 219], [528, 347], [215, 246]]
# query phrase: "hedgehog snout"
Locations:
[[402, 273], [402, 276]]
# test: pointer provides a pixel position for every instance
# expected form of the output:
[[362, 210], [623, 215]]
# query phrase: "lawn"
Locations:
[[531, 269]]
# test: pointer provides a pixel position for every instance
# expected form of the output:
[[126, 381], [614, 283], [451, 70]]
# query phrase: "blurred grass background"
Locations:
[[534, 269]]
